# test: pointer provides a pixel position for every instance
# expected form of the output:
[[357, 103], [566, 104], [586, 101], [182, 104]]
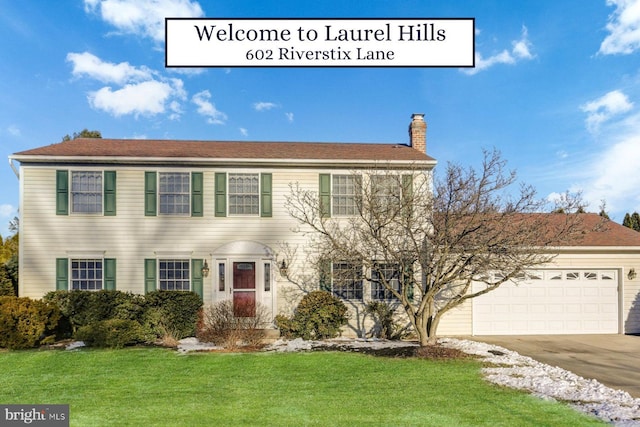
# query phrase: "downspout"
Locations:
[[13, 166]]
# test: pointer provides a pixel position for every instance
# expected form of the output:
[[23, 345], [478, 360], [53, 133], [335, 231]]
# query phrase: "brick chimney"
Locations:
[[418, 133]]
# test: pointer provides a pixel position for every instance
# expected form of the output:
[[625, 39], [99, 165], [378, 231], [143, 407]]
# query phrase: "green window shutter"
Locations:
[[325, 275], [62, 274], [265, 195], [325, 195], [109, 274], [109, 193], [197, 281], [221, 194], [149, 275], [150, 194], [62, 192], [407, 193], [196, 194]]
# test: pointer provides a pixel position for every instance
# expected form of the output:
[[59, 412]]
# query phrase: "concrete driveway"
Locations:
[[613, 360]]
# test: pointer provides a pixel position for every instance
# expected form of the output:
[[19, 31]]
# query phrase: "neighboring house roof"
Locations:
[[95, 149]]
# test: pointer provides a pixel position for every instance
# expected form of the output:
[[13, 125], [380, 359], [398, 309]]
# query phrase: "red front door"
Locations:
[[244, 289]]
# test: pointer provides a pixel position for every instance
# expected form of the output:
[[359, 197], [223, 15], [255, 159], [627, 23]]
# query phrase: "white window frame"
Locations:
[[86, 274], [344, 203], [353, 288], [174, 194], [377, 286], [96, 192], [164, 282], [233, 206]]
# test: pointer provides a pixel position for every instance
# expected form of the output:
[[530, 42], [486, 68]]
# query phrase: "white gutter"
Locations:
[[222, 161], [13, 166]]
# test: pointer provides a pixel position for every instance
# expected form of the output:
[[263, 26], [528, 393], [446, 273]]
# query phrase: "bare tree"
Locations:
[[431, 246]]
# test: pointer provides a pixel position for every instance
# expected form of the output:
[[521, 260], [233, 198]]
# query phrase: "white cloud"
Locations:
[[141, 91], [208, 109], [243, 132], [604, 108], [89, 65], [144, 18], [264, 106], [520, 50], [623, 27], [289, 117], [14, 130], [146, 98], [7, 210]]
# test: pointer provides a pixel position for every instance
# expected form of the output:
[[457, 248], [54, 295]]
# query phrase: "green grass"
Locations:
[[157, 387]]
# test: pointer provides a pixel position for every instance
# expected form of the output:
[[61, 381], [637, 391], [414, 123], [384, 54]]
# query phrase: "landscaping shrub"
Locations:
[[177, 309], [24, 322], [112, 333], [82, 308], [319, 315], [219, 324], [386, 326]]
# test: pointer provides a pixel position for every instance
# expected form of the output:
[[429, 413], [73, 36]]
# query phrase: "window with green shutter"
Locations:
[[109, 193], [62, 274], [110, 274], [197, 281], [150, 195], [265, 195], [149, 275], [221, 194], [62, 192], [197, 194], [325, 195]]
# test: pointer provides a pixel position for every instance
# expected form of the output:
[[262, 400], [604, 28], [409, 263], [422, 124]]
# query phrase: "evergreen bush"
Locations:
[[24, 322], [112, 333], [319, 315]]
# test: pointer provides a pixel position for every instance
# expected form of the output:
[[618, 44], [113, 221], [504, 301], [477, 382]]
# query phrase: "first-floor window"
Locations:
[[347, 280], [382, 274], [174, 275], [86, 274]]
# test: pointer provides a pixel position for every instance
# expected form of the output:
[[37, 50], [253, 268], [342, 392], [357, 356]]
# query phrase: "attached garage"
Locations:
[[575, 301]]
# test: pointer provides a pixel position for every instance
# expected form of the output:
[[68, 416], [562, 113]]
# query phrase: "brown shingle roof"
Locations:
[[95, 147], [599, 232]]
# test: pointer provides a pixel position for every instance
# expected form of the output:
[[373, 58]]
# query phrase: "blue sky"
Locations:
[[556, 87]]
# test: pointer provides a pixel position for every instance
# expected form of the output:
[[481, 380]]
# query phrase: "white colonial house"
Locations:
[[210, 217]]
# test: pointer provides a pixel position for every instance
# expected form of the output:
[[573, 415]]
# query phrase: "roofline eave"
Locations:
[[26, 159]]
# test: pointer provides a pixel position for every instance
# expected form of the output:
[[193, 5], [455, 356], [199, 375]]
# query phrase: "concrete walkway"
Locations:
[[613, 360]]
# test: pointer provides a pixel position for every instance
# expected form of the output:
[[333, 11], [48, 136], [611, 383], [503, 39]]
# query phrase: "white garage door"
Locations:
[[551, 302]]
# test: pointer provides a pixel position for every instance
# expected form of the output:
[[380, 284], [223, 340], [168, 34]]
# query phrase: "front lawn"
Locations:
[[158, 387]]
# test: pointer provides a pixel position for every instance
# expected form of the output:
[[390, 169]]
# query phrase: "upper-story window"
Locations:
[[86, 192], [386, 191], [244, 194], [174, 193], [345, 191]]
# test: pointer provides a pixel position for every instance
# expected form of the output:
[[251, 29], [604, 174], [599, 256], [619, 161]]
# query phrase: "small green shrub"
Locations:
[[178, 310], [25, 322], [112, 333], [386, 326], [319, 315], [219, 324]]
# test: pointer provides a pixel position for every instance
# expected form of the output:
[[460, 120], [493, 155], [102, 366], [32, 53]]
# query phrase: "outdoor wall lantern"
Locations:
[[205, 269], [632, 274], [283, 268]]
